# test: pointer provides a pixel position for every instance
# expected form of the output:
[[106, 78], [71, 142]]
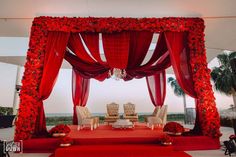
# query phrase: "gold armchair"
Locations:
[[129, 112], [112, 113]]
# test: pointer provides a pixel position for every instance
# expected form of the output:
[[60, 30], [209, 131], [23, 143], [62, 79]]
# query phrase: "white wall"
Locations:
[[7, 84]]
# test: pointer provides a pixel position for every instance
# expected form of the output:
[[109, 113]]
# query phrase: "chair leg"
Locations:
[[152, 127], [91, 127], [78, 128]]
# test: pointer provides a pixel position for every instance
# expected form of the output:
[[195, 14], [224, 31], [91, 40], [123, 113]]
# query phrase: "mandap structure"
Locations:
[[125, 42]]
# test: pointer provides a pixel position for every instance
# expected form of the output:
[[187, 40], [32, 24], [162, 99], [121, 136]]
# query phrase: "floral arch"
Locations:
[[31, 97]]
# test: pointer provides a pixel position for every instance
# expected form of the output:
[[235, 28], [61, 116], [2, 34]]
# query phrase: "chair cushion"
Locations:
[[88, 114], [113, 109], [129, 109]]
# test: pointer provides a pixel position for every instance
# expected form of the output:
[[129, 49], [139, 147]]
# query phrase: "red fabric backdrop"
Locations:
[[179, 54], [116, 49], [54, 54]]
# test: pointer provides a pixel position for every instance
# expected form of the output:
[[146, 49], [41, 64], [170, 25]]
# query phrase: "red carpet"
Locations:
[[140, 136], [119, 151], [185, 143], [41, 145]]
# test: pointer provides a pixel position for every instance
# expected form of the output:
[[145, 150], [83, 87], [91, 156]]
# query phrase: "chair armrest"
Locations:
[[153, 119], [87, 120]]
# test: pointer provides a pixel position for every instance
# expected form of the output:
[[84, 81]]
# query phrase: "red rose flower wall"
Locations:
[[30, 102]]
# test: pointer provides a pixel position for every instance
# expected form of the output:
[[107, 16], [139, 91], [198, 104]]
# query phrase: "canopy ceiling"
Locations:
[[219, 16]]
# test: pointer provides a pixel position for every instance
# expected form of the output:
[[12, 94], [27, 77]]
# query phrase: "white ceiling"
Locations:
[[219, 16]]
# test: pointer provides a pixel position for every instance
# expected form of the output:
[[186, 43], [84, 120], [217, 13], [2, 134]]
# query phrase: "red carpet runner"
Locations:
[[119, 151]]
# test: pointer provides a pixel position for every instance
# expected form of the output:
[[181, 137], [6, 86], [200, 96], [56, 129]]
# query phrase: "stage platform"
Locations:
[[105, 135]]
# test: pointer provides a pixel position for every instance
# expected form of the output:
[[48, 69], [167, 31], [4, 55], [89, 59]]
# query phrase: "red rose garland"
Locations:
[[61, 128], [208, 115], [66, 140], [29, 96], [166, 139], [173, 127]]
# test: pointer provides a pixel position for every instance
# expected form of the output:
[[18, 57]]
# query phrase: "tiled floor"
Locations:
[[8, 134]]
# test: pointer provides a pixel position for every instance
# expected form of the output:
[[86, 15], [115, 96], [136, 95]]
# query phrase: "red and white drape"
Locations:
[[157, 88], [80, 92]]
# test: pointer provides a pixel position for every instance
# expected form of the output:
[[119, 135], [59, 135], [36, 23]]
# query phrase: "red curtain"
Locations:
[[160, 49], [116, 49], [76, 45], [179, 55], [80, 92], [159, 61], [85, 64], [157, 88], [54, 54], [125, 50], [92, 43], [87, 70], [138, 49]]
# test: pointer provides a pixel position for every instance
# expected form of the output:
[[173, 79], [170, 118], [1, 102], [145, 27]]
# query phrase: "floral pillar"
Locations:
[[207, 114], [29, 95]]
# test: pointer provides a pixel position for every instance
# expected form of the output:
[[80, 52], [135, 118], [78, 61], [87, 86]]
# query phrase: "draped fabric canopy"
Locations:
[[124, 50]]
